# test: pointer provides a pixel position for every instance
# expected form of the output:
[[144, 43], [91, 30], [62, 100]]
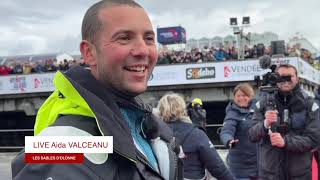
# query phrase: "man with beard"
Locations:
[[288, 133]]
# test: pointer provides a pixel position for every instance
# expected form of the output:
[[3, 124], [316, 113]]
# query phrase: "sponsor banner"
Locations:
[[226, 71], [306, 71], [201, 73], [68, 144], [30, 83], [184, 74], [178, 74], [54, 158], [246, 70], [241, 71]]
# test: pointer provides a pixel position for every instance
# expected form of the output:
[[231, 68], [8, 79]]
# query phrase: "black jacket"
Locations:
[[126, 162], [198, 115], [303, 134], [200, 153], [242, 157]]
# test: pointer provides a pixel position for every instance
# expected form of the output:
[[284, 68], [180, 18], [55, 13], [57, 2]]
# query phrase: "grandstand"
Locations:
[[209, 72]]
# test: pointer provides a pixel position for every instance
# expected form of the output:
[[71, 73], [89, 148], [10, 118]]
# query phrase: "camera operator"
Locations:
[[197, 114], [287, 134]]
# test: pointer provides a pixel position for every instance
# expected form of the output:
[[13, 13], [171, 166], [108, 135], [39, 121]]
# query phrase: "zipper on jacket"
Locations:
[[171, 147], [146, 114], [148, 164], [115, 149]]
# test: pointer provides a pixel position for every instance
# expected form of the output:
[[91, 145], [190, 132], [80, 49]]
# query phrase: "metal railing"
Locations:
[[2, 147], [13, 139], [15, 130]]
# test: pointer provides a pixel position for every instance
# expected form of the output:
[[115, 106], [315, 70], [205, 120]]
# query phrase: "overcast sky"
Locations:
[[50, 26]]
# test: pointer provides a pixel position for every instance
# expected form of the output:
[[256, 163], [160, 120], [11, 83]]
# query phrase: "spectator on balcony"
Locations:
[[27, 68], [49, 66], [297, 50], [248, 52], [4, 70], [38, 67], [162, 59], [168, 55], [260, 50], [179, 58], [198, 57], [306, 55], [63, 66], [17, 68], [233, 54], [209, 57], [188, 58], [290, 51], [220, 55]]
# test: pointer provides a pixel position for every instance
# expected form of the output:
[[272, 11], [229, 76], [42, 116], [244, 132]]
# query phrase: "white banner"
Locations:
[[306, 71], [225, 71], [31, 83]]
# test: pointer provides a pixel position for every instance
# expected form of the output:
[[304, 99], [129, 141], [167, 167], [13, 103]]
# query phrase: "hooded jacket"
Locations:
[[199, 152], [292, 162], [242, 157], [81, 105]]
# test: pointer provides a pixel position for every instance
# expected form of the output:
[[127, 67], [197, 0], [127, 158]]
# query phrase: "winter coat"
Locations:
[[242, 157], [199, 152], [301, 135]]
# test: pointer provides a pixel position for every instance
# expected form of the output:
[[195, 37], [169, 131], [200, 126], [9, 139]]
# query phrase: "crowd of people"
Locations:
[[46, 66], [165, 57], [214, 54], [118, 43]]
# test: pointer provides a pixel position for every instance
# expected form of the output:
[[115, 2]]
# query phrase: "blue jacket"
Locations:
[[200, 152], [242, 157], [219, 55]]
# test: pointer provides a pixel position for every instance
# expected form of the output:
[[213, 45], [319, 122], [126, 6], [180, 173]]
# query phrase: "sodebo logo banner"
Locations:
[[201, 73], [64, 149]]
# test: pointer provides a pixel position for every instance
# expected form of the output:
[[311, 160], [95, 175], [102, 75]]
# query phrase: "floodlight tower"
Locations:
[[238, 31]]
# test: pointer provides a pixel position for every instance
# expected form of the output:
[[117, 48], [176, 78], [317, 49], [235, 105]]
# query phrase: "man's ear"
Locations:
[[88, 51]]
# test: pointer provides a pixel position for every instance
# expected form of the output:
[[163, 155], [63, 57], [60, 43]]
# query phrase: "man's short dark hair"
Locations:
[[287, 66], [92, 25]]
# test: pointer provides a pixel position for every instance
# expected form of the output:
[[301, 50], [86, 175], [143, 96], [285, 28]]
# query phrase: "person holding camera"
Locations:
[[242, 156], [197, 114], [287, 132]]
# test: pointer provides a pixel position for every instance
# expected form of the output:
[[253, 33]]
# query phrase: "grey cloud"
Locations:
[[185, 6], [17, 47], [69, 44], [54, 25], [14, 12]]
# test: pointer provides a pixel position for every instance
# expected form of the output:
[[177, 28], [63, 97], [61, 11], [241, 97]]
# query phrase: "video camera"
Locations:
[[267, 84], [268, 81]]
